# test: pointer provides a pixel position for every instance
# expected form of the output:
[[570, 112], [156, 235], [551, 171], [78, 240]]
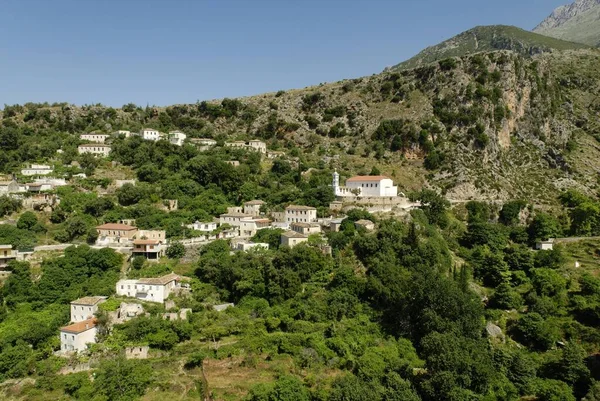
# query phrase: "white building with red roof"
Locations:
[[77, 336], [365, 186]]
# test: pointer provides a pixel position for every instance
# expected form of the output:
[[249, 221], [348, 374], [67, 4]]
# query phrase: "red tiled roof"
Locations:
[[116, 226], [367, 178], [145, 242], [80, 327]]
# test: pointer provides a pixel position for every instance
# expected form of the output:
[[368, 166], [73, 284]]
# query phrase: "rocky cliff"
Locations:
[[578, 22]]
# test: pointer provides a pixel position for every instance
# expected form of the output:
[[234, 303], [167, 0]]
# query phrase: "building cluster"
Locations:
[[82, 329], [149, 244]]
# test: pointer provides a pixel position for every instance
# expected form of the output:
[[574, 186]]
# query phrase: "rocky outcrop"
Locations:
[[576, 22], [563, 14]]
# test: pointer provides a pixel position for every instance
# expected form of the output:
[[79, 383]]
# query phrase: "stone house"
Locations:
[[292, 238], [300, 214], [85, 308], [95, 149]]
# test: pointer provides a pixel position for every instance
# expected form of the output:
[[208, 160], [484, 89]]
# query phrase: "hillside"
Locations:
[[488, 290], [577, 22], [487, 126], [488, 38]]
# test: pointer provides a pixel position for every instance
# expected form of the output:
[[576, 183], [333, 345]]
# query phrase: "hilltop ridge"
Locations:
[[578, 22], [488, 38]]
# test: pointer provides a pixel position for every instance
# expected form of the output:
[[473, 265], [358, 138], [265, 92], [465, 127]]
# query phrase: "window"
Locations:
[[73, 338]]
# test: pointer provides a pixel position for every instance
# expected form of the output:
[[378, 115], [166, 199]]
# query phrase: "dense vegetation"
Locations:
[[439, 304]]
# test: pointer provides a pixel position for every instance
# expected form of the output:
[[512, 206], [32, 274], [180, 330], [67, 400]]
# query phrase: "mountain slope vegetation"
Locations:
[[485, 126], [488, 38]]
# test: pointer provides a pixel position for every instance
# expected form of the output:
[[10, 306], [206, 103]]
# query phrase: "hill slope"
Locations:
[[578, 22], [494, 125], [488, 38]]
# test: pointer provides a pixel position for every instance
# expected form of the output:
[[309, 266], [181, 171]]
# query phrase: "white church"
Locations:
[[363, 186]]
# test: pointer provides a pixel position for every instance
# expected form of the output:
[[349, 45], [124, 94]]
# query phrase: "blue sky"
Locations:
[[180, 51]]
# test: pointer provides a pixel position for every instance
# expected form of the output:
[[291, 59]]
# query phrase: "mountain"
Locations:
[[488, 38], [577, 22], [492, 125]]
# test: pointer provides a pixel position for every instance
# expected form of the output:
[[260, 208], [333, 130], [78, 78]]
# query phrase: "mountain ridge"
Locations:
[[578, 22], [488, 38]]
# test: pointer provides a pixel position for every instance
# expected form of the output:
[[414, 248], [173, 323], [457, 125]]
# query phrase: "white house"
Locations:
[[85, 308], [149, 289], [150, 249], [545, 245], [96, 149], [203, 144], [156, 235], [150, 134], [249, 226], [306, 228], [97, 138], [177, 137], [254, 144], [206, 227], [365, 186], [300, 214], [37, 169], [234, 219], [77, 336], [253, 207], [257, 145], [245, 246], [292, 238]]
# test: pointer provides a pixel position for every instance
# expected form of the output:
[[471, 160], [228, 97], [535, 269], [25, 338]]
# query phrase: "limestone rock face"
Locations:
[[564, 13], [577, 22]]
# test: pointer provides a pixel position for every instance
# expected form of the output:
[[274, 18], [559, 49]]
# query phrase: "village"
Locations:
[[298, 224]]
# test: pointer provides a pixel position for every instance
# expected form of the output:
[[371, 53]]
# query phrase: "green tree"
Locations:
[[543, 226], [27, 221], [175, 250], [122, 380]]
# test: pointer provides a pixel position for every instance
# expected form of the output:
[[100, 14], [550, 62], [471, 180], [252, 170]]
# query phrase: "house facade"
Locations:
[[253, 207], [365, 186], [95, 149], [115, 233], [85, 308], [96, 138], [234, 219], [206, 227], [150, 134], [37, 169], [149, 289], [292, 238], [149, 249], [545, 245], [77, 336], [177, 138], [300, 214], [254, 144], [249, 226], [203, 144], [155, 235], [306, 228], [7, 254], [245, 246]]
